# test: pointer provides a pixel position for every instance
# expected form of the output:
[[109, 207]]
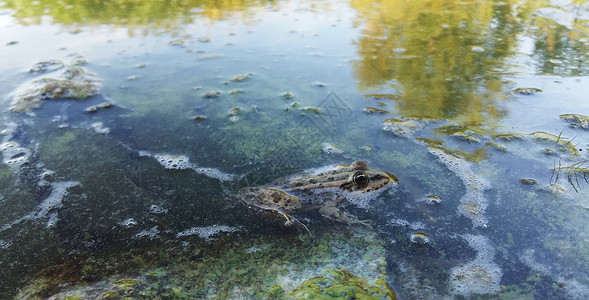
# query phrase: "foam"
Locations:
[[173, 162], [4, 244], [182, 162], [43, 210], [215, 173], [473, 203], [573, 288], [331, 149], [128, 223], [405, 223], [156, 209], [99, 128], [479, 276], [150, 234], [208, 231], [14, 156]]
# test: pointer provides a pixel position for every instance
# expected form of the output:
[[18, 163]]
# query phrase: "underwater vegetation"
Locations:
[[341, 284]]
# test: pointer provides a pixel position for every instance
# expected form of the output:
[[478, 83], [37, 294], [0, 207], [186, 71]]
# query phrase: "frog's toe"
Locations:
[[367, 223], [289, 219]]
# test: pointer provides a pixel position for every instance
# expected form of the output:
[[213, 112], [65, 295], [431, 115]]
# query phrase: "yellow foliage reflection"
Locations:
[[441, 57], [155, 14]]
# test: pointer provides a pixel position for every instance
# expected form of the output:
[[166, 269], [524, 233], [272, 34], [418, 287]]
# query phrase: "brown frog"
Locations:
[[327, 189]]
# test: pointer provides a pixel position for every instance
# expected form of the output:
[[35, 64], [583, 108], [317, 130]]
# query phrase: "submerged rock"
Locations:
[[74, 83]]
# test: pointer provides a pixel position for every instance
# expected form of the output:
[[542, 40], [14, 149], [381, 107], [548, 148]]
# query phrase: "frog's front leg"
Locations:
[[273, 203], [331, 211]]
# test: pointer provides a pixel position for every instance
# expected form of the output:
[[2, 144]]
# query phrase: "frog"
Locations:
[[328, 189]]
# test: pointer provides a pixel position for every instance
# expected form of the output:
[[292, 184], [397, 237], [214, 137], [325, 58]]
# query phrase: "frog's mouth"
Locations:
[[392, 178]]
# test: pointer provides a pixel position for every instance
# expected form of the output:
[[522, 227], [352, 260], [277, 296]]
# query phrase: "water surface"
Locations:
[[477, 107]]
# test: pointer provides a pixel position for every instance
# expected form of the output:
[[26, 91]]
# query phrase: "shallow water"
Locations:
[[463, 101]]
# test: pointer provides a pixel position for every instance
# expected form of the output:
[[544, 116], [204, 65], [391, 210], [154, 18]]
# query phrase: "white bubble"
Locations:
[[156, 209], [182, 162], [150, 234], [99, 128], [173, 162], [208, 231], [331, 148], [573, 288], [479, 276], [473, 203], [46, 207], [13, 155], [130, 222], [4, 244]]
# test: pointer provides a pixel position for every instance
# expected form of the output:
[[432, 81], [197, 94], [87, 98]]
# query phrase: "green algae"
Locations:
[[466, 136], [127, 283], [110, 295], [287, 95], [576, 120], [370, 110], [528, 181], [229, 268], [382, 96], [212, 94], [430, 142], [242, 77], [95, 108], [496, 146], [508, 136], [573, 172], [342, 284], [527, 91], [74, 83], [544, 136], [315, 110]]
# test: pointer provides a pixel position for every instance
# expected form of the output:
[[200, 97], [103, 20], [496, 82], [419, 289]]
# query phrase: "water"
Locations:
[[136, 198]]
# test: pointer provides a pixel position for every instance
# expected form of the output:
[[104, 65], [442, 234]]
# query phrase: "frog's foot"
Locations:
[[367, 223], [289, 220], [334, 213], [292, 221]]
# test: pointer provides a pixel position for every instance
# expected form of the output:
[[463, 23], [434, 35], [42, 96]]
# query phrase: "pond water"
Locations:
[[129, 127]]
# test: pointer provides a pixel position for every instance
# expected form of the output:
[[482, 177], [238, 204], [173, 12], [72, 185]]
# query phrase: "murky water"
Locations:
[[129, 127]]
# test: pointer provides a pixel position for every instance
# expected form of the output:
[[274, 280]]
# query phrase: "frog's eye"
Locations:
[[360, 179]]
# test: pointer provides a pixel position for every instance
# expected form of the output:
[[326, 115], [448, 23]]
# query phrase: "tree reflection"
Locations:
[[155, 14], [441, 57]]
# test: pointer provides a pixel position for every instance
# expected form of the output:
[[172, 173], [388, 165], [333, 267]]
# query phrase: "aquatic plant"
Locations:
[[341, 284], [576, 120], [73, 83], [540, 135], [527, 91], [573, 172], [242, 77], [370, 110]]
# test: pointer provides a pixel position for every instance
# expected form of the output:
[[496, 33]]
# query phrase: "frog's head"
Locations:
[[364, 179]]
